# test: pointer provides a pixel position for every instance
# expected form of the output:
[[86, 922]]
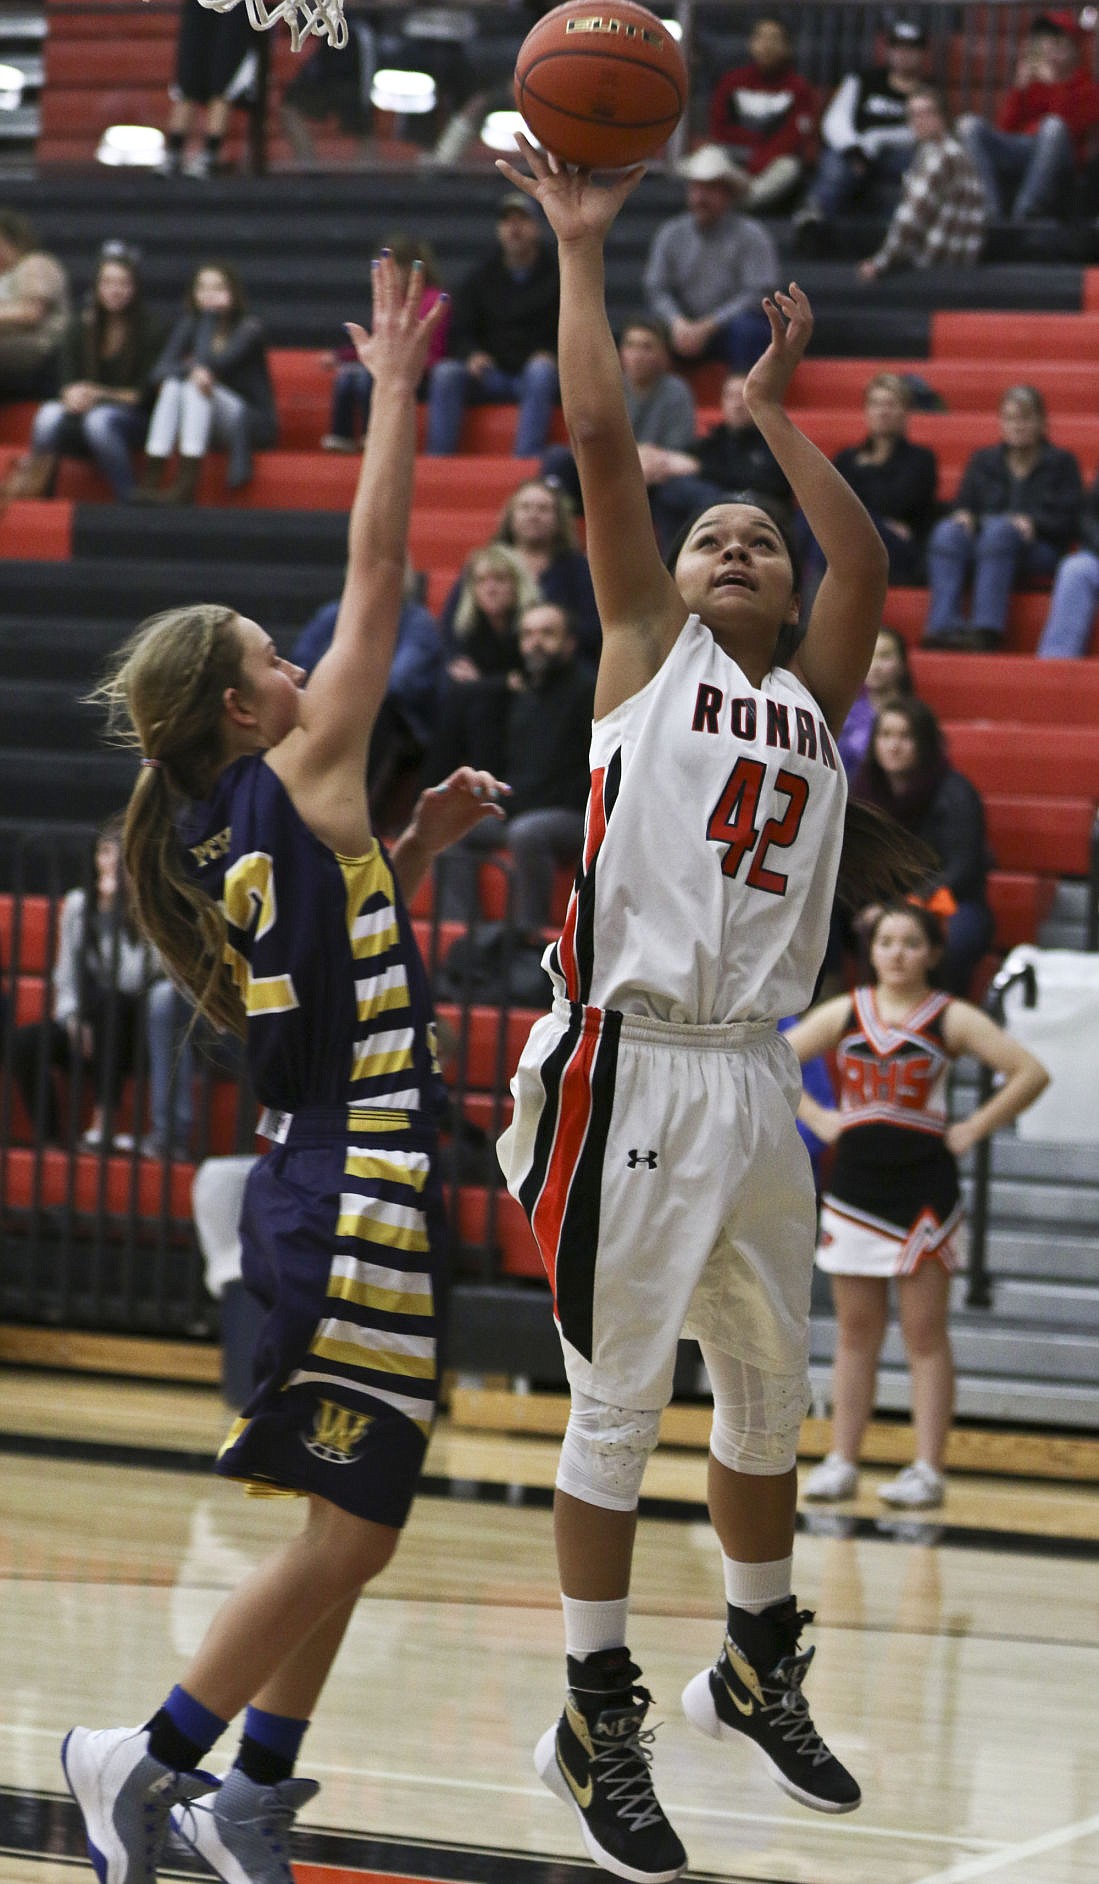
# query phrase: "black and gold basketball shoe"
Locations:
[[754, 1692], [598, 1759]]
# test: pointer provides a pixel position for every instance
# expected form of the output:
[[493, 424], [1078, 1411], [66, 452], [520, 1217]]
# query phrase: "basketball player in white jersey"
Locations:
[[654, 1146]]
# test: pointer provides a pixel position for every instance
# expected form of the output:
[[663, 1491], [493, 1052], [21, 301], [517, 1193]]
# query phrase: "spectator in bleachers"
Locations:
[[888, 675], [34, 310], [503, 336], [895, 478], [215, 69], [867, 139], [1029, 160], [766, 114], [537, 525], [709, 268], [906, 772], [732, 456], [1016, 512], [942, 216], [659, 403], [214, 389], [107, 355], [539, 731], [480, 617], [1075, 600], [353, 384], [406, 721], [100, 975]]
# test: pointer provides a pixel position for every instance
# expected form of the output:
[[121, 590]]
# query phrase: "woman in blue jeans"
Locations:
[[107, 356], [1017, 511], [1075, 600]]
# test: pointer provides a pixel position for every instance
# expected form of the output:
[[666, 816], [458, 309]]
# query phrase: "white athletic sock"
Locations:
[[590, 1627], [755, 1586]]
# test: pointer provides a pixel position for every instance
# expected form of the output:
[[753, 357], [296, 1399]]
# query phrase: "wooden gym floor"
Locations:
[[957, 1661]]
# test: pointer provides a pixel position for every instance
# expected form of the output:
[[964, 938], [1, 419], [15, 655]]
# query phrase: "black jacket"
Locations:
[[903, 487], [739, 461], [1050, 494], [954, 826], [508, 316], [240, 364]]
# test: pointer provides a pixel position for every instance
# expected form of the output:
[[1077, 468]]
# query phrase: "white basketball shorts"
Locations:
[[670, 1194]]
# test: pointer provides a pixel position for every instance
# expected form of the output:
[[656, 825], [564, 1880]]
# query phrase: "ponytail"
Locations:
[[880, 861], [164, 698]]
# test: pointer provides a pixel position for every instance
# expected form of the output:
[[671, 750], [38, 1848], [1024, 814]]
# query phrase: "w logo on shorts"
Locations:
[[336, 1433]]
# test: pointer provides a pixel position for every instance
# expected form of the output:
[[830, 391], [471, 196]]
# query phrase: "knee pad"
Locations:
[[757, 1416], [605, 1452]]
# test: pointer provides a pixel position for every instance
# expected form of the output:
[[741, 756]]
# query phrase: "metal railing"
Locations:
[[102, 1237]]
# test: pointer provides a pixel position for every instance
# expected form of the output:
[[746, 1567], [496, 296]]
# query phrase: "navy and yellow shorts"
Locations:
[[343, 1236]]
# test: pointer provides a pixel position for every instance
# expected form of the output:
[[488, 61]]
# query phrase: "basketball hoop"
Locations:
[[303, 17]]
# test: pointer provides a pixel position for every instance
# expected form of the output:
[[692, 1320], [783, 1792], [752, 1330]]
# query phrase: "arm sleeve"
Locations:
[[1056, 514], [66, 968], [173, 353], [658, 280], [244, 342], [838, 123], [914, 214]]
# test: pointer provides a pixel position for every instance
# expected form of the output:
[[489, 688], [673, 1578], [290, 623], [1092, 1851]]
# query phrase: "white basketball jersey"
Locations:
[[711, 847]]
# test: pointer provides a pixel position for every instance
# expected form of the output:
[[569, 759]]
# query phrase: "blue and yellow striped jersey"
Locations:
[[321, 949]]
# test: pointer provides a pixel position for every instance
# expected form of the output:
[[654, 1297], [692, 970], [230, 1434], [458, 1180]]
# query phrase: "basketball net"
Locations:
[[323, 17]]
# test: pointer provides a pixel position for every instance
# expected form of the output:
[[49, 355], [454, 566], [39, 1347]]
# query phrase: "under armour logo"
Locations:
[[647, 1158]]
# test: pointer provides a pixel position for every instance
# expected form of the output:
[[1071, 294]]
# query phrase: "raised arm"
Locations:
[[323, 761], [835, 653], [640, 609]]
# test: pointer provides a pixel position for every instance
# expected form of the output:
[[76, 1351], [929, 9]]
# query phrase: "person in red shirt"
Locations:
[[767, 113], [1029, 159]]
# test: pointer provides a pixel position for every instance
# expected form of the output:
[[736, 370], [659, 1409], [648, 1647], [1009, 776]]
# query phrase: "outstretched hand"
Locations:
[[447, 811], [574, 205], [791, 321], [395, 349]]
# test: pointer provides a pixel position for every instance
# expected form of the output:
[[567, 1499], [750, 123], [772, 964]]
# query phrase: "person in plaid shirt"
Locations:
[[941, 217]]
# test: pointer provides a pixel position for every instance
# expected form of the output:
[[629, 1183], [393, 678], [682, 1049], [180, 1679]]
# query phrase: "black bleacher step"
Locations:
[[207, 534], [48, 713], [67, 786], [124, 591]]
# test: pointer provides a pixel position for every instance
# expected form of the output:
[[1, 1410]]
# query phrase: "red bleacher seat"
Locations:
[[1007, 687]]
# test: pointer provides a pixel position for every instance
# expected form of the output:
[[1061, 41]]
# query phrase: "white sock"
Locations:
[[755, 1586], [590, 1627]]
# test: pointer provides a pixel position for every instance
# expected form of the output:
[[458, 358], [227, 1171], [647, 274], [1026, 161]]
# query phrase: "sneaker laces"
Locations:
[[785, 1701], [624, 1758]]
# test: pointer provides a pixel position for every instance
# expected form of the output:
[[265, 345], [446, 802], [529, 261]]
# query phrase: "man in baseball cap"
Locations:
[[1029, 159], [866, 138]]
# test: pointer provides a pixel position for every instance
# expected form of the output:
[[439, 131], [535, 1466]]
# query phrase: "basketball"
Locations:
[[601, 86]]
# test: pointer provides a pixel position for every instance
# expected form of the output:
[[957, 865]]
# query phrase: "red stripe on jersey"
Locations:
[[595, 830], [574, 1113]]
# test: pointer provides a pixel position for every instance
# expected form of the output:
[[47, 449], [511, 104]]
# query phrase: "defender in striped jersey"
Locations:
[[257, 874], [893, 1206], [653, 1143]]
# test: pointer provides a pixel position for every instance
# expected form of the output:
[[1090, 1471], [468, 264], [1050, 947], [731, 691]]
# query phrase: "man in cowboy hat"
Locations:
[[709, 268]]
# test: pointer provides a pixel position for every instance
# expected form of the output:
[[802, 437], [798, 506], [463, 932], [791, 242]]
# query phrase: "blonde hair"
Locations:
[[890, 383], [164, 696], [501, 561]]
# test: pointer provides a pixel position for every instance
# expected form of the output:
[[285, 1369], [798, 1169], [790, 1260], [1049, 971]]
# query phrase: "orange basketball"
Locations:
[[601, 86]]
